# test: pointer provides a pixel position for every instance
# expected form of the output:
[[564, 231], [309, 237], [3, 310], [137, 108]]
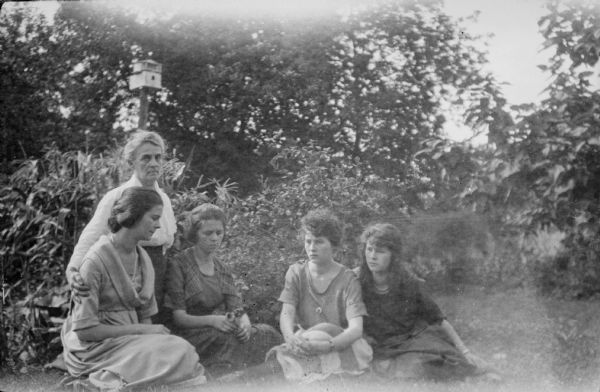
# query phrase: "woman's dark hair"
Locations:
[[203, 212], [384, 235], [323, 223], [131, 207]]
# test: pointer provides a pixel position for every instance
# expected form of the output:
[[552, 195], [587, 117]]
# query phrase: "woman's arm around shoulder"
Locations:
[[95, 228], [86, 323]]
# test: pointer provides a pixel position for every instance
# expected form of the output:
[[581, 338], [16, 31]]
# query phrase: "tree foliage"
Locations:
[[544, 169], [369, 84]]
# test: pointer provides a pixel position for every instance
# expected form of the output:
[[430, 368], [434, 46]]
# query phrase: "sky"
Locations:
[[514, 47]]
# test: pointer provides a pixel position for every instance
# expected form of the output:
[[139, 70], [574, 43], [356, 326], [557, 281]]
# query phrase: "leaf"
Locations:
[[559, 190], [555, 172], [595, 141], [577, 132]]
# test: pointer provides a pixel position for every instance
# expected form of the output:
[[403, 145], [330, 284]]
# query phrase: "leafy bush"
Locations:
[[263, 236], [46, 204]]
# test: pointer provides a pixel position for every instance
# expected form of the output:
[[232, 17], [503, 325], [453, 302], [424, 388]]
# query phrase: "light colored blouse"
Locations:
[[114, 299], [338, 303], [98, 225]]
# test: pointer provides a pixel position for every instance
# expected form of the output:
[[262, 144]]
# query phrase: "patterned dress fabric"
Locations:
[[199, 294]]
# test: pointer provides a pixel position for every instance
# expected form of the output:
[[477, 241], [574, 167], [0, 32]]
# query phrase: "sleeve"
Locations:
[[150, 308], [429, 310], [171, 222], [96, 227], [233, 299], [290, 293], [355, 307], [174, 288], [85, 313]]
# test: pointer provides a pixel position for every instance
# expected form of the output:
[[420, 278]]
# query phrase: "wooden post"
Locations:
[[143, 120]]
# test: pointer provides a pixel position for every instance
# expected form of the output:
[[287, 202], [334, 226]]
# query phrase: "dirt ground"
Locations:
[[536, 343]]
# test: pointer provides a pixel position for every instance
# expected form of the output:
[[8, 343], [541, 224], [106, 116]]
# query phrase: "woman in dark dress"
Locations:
[[205, 304], [409, 334]]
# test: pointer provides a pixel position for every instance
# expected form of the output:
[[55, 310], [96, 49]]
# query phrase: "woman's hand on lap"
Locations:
[[243, 333], [224, 325], [296, 344], [315, 347]]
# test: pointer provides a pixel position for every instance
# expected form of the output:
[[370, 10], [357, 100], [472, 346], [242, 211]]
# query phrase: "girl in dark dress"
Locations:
[[206, 306], [409, 334]]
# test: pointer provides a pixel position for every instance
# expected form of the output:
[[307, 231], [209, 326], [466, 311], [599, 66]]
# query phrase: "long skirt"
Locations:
[[428, 354], [222, 352], [132, 361], [352, 360]]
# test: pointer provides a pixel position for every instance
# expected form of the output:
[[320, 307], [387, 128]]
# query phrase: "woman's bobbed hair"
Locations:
[[323, 223], [131, 207], [204, 212], [385, 235]]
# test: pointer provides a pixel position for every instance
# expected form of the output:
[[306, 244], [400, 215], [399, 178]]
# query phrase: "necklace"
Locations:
[[135, 267], [319, 286], [126, 259], [382, 289]]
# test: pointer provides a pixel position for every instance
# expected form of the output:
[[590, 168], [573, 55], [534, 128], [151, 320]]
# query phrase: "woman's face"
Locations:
[[318, 249], [210, 235], [149, 223], [147, 164], [378, 257]]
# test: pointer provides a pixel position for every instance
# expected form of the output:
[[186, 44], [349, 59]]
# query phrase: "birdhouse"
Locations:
[[146, 73]]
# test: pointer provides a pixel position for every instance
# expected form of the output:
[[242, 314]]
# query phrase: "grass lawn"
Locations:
[[536, 343]]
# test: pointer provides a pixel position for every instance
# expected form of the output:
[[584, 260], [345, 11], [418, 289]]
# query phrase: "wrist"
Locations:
[[288, 337], [331, 346]]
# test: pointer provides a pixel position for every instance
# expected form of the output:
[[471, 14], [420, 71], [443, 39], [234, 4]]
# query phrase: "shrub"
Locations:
[[46, 204], [263, 229]]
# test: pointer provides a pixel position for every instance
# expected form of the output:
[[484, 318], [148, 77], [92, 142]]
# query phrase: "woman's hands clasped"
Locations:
[[244, 329], [223, 324], [226, 324], [303, 346]]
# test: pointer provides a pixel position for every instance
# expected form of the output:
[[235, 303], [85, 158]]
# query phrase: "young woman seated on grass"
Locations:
[[322, 313], [408, 332], [108, 337], [201, 294]]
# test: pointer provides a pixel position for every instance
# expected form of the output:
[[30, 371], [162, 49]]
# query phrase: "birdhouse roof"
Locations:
[[147, 65]]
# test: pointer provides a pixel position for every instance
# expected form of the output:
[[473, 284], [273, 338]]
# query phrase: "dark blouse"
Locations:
[[199, 294], [403, 310]]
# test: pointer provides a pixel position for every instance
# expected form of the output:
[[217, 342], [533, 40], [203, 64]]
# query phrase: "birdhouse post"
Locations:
[[147, 74]]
